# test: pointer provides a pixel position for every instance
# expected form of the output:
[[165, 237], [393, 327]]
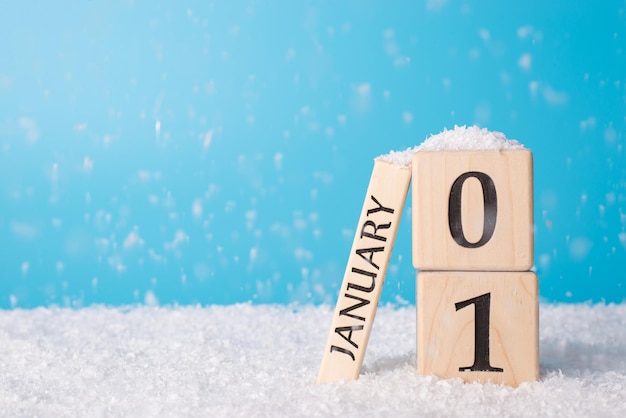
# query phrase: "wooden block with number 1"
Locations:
[[479, 326]]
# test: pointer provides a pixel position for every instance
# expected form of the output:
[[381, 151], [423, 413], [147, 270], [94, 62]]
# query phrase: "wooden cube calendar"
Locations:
[[477, 301], [479, 326], [473, 210]]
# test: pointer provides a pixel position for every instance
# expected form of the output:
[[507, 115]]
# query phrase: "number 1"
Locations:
[[481, 334]]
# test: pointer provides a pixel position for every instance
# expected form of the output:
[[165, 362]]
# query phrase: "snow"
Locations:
[[399, 158], [246, 360], [472, 138], [461, 138]]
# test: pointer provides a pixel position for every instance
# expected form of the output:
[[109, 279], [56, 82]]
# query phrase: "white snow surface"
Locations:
[[472, 138], [461, 138], [246, 360]]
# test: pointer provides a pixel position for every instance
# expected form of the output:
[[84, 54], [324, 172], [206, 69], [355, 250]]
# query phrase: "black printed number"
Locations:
[[490, 200], [481, 334]]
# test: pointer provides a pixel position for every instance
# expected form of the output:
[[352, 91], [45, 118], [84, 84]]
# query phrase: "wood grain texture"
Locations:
[[510, 247], [365, 273], [446, 334]]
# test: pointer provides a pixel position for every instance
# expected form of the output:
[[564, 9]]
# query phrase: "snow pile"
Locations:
[[473, 138], [244, 360], [399, 158], [461, 138]]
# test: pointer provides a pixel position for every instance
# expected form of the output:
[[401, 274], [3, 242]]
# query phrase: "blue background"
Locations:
[[219, 152]]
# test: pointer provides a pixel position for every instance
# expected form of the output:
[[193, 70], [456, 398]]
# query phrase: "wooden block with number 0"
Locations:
[[473, 210], [479, 326]]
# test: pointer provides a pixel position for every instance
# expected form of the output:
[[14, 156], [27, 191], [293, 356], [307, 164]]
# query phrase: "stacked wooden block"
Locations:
[[477, 299]]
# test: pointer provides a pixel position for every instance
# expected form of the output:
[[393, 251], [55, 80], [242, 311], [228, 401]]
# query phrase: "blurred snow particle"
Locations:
[[144, 175], [278, 160], [484, 34], [527, 31], [60, 266], [393, 50], [610, 134], [5, 81], [544, 261], [150, 299], [622, 239], [325, 177], [230, 206], [25, 268], [533, 86], [250, 218], [196, 208], [87, 164], [253, 254], [23, 230], [361, 98], [435, 5], [590, 122], [364, 89], [157, 128], [553, 96], [54, 175], [610, 198], [525, 61], [579, 248], [524, 31], [179, 238], [79, 127], [407, 117], [550, 94], [133, 239], [13, 300], [342, 119], [291, 53], [208, 137], [29, 126], [473, 54]]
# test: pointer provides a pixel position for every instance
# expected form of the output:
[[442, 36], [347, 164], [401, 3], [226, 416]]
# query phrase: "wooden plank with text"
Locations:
[[473, 210], [479, 326], [365, 272]]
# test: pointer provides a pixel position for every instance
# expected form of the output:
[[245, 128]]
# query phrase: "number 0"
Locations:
[[490, 200]]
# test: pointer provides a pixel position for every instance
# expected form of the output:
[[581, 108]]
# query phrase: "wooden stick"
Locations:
[[365, 272]]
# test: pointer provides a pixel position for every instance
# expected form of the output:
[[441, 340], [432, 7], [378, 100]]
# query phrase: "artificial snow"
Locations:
[[399, 158], [461, 138], [246, 360]]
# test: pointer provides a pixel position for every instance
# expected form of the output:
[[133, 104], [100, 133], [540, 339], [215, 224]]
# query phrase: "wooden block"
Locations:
[[365, 273], [479, 326], [473, 210]]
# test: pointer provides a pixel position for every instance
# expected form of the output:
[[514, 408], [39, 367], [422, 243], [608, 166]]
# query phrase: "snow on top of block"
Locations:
[[399, 158], [461, 138]]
